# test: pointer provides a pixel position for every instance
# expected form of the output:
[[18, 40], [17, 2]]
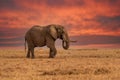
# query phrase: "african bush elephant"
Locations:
[[39, 36]]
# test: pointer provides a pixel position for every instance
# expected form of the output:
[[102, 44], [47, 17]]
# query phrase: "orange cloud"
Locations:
[[80, 17]]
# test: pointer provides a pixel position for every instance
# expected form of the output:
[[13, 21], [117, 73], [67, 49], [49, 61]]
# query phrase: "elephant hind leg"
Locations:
[[28, 53], [32, 53], [30, 50]]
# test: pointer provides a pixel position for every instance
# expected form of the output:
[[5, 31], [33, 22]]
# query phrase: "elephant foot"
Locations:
[[32, 57], [51, 56], [27, 56]]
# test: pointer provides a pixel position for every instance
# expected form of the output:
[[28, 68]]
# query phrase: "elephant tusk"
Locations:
[[73, 41]]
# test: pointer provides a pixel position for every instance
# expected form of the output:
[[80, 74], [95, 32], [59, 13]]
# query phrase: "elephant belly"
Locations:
[[39, 43], [38, 37], [38, 40]]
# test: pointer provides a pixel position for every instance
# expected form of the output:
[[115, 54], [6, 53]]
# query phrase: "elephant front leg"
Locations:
[[52, 53], [51, 45]]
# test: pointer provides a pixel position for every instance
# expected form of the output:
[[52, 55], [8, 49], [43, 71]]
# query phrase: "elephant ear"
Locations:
[[53, 31]]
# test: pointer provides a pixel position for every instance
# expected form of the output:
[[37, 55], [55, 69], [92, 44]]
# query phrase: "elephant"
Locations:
[[39, 36]]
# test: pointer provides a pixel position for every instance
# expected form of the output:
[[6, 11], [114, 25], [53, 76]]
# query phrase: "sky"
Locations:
[[90, 22]]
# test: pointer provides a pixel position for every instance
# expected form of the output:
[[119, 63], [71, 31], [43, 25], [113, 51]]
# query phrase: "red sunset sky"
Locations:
[[90, 22]]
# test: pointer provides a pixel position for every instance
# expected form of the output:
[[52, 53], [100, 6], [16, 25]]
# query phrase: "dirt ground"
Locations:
[[72, 64]]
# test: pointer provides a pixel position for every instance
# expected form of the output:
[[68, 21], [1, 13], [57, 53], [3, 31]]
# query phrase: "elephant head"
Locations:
[[58, 31]]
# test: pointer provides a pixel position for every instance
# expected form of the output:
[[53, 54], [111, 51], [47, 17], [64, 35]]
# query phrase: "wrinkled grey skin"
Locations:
[[39, 36]]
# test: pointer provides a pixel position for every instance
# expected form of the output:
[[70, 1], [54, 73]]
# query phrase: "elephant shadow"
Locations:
[[42, 57], [12, 57], [22, 57]]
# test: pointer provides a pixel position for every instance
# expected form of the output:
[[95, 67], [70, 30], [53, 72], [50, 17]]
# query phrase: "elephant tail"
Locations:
[[25, 45]]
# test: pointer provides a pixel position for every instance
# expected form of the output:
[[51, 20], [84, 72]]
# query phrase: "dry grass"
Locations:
[[80, 64]]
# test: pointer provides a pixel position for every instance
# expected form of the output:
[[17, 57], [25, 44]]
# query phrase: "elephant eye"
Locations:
[[61, 36], [62, 32], [58, 30]]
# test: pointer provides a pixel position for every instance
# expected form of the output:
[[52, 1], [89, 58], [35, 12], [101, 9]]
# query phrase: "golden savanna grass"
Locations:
[[73, 64]]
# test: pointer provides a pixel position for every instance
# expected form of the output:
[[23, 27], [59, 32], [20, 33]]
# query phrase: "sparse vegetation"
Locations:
[[80, 64]]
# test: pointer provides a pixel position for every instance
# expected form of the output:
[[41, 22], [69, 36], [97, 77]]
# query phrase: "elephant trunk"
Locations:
[[65, 42]]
